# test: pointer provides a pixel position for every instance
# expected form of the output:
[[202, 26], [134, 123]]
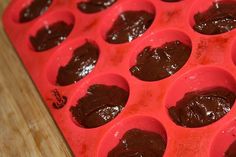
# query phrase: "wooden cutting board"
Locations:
[[26, 127]]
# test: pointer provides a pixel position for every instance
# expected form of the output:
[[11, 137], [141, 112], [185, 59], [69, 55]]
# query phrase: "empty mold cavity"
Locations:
[[95, 105], [148, 63], [72, 62], [222, 141], [113, 136], [94, 6], [26, 11], [116, 32], [50, 31], [200, 79], [214, 17]]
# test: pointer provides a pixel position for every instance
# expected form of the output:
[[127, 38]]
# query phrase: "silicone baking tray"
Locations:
[[212, 63]]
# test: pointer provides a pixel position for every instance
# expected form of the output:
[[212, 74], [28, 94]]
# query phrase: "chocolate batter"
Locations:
[[100, 105], [231, 151], [219, 18], [201, 108], [93, 6], [35, 9], [128, 26], [81, 64], [49, 37], [157, 63], [139, 143]]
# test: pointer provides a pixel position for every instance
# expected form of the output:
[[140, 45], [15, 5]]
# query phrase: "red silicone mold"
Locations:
[[212, 63]]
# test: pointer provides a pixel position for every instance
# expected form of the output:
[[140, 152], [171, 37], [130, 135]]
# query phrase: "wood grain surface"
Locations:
[[26, 127]]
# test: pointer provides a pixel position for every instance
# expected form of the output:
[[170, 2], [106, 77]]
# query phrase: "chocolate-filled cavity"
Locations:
[[139, 143], [231, 151], [100, 105], [93, 6], [218, 18], [128, 26], [157, 63], [33, 10], [51, 36], [201, 108], [83, 61]]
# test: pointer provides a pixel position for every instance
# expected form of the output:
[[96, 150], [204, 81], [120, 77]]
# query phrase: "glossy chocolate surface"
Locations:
[[128, 26], [51, 36], [139, 143], [157, 63], [93, 6], [100, 105], [33, 10], [80, 65], [219, 18], [201, 108]]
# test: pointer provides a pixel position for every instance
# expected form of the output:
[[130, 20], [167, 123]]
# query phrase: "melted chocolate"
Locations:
[[219, 18], [157, 63], [100, 105], [35, 9], [231, 151], [93, 6], [128, 26], [81, 64], [49, 37], [201, 108], [139, 143]]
